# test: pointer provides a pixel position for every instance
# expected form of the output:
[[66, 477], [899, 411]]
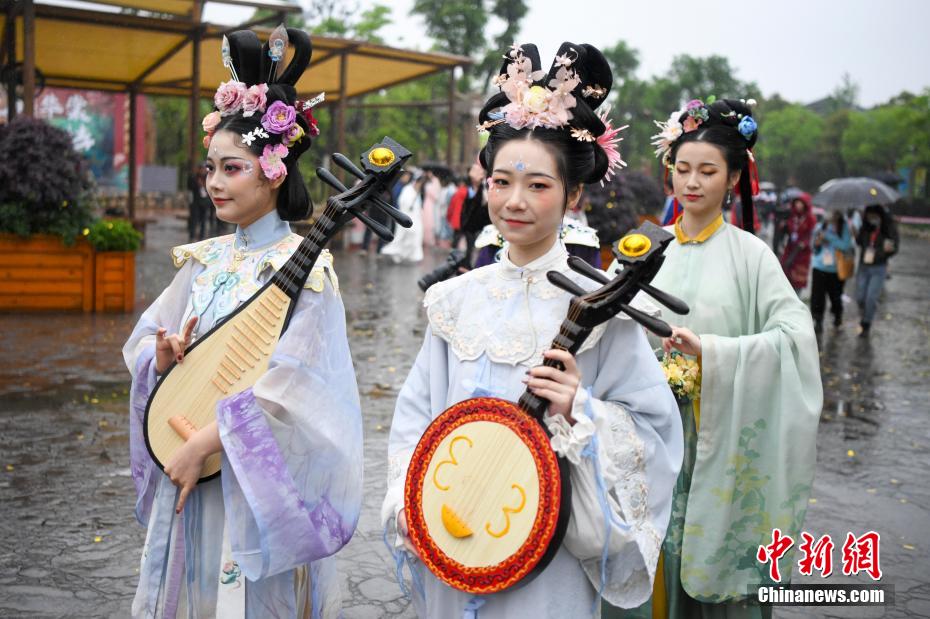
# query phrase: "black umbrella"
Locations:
[[855, 192]]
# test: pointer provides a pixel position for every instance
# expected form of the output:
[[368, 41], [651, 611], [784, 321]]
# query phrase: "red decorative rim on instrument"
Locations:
[[482, 580]]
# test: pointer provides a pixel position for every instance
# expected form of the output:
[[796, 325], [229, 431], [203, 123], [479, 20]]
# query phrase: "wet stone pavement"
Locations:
[[70, 543]]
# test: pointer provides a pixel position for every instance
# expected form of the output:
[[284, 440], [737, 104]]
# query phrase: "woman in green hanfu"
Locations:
[[751, 431]]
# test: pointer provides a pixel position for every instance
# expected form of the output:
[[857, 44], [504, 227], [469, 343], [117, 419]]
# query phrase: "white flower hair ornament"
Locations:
[[532, 105]]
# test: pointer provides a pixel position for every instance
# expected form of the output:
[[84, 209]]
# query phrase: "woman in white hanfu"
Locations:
[[259, 540], [611, 412], [407, 245]]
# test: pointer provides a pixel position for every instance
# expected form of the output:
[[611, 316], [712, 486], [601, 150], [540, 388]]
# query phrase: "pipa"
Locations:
[[235, 353]]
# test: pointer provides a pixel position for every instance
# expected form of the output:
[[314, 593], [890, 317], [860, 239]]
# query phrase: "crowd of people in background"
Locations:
[[819, 250]]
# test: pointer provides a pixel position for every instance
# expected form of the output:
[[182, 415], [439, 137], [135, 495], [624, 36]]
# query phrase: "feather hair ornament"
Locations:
[[277, 48], [227, 59]]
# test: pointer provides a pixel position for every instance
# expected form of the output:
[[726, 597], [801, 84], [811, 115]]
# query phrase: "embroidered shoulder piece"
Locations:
[[576, 233], [489, 235], [220, 251]]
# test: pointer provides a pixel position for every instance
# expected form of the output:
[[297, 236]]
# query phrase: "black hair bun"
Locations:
[[731, 113]]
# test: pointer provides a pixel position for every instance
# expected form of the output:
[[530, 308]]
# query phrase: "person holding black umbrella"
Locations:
[[878, 239]]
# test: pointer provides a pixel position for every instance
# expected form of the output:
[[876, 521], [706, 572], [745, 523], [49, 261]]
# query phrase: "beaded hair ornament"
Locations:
[[533, 102], [279, 119]]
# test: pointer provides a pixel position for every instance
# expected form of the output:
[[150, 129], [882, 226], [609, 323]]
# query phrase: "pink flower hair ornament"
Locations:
[[272, 161], [531, 105]]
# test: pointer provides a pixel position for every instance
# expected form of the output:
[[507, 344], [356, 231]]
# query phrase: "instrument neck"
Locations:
[[571, 336], [291, 277]]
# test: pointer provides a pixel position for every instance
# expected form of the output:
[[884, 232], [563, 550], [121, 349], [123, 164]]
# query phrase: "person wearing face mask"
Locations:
[[751, 428], [490, 330], [878, 241], [259, 540]]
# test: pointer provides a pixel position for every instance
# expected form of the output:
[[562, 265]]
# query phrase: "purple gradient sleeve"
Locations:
[[143, 468], [272, 526]]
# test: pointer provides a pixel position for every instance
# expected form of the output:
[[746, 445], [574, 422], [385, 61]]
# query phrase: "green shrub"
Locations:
[[113, 235]]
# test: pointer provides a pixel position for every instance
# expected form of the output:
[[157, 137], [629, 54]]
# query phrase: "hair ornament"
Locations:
[[594, 90], [227, 59], [673, 128], [609, 141], [272, 161], [582, 135], [277, 48], [532, 105], [747, 127]]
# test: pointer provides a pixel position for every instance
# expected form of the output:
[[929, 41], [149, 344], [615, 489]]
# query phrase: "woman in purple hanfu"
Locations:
[[259, 540]]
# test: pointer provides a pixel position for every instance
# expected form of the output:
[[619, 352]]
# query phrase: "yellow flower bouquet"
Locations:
[[683, 375]]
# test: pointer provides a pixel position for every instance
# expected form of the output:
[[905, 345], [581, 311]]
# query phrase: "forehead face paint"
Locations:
[[519, 166]]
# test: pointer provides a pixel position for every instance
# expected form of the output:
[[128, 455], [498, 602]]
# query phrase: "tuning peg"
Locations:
[[581, 267], [389, 209], [343, 162], [673, 303], [381, 230], [657, 326], [561, 281], [327, 177]]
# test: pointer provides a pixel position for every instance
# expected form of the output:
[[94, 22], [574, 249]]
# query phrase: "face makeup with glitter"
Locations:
[[241, 195], [527, 198]]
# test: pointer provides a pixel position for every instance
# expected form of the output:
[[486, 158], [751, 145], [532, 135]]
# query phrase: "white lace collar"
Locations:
[[507, 312], [553, 259]]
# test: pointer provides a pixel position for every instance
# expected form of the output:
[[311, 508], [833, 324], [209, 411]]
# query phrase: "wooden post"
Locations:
[[194, 120], [341, 105], [29, 57], [450, 126], [341, 134], [11, 60], [131, 169]]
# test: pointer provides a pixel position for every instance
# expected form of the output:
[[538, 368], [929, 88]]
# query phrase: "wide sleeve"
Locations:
[[761, 398], [416, 406], [139, 355], [292, 447], [626, 450]]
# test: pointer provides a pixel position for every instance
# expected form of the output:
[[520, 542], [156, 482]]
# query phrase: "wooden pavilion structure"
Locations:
[[163, 47]]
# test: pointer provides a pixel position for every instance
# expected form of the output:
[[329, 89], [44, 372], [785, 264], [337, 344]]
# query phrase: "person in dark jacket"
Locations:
[[878, 240]]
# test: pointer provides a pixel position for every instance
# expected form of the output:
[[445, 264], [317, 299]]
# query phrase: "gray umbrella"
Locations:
[[855, 192]]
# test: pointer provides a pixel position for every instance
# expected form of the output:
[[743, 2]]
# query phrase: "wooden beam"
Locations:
[[29, 58], [135, 22]]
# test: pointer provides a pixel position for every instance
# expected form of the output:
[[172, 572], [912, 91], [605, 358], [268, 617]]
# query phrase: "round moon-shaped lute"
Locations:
[[483, 496]]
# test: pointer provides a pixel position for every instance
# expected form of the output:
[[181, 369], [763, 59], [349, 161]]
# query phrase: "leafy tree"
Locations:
[[788, 144], [457, 26], [511, 12], [876, 139]]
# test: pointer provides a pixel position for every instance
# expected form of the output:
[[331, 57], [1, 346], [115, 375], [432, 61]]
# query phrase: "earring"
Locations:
[[728, 198]]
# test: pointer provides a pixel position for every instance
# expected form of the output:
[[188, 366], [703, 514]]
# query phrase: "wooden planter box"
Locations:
[[42, 274], [114, 281]]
